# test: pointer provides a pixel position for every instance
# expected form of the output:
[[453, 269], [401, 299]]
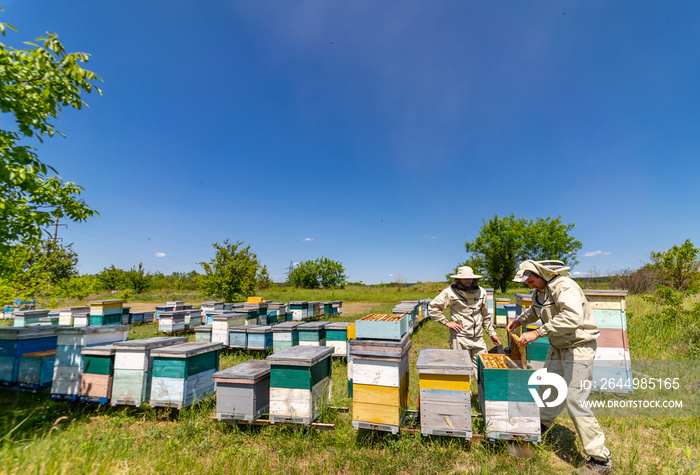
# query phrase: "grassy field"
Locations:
[[42, 436]]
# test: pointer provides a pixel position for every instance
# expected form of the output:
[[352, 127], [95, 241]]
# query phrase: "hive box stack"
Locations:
[[243, 391], [259, 337], [22, 318], [172, 321], [327, 308], [337, 337], [50, 320], [209, 309], [445, 394], [36, 370], [501, 315], [193, 318], [133, 364], [238, 337], [380, 372], [66, 315], [351, 336], [202, 333], [126, 313], [17, 341], [68, 369], [337, 307], [223, 324], [284, 336], [612, 359], [98, 373], [183, 374], [506, 404], [300, 310], [312, 334], [136, 317], [106, 312], [489, 300], [522, 302], [300, 383], [149, 317]]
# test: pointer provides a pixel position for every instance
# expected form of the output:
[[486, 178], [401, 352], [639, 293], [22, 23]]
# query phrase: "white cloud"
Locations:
[[307, 239], [596, 253], [578, 273], [160, 254], [391, 275], [429, 237]]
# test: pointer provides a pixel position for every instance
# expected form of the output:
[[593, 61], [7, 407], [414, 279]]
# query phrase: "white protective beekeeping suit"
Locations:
[[470, 310], [569, 324]]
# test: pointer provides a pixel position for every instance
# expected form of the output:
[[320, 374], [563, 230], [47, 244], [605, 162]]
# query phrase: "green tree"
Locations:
[[111, 278], [322, 272], [679, 267], [264, 280], [35, 86], [503, 243], [137, 279], [232, 273], [34, 268]]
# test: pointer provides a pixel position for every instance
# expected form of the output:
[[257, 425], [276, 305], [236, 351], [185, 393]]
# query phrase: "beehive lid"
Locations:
[[228, 316], [312, 326], [337, 326], [30, 331], [31, 313], [211, 302], [249, 370], [100, 350], [186, 350], [150, 343], [301, 355], [434, 361], [286, 326], [174, 313], [606, 293], [61, 330], [202, 328], [259, 329]]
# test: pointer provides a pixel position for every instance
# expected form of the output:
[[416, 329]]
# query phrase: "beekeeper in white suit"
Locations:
[[469, 313], [568, 323]]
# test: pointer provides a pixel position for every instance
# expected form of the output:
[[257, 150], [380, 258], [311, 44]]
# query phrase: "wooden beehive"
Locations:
[[202, 333], [243, 391], [16, 341], [259, 337], [285, 335], [379, 383], [36, 370], [300, 383], [507, 406], [238, 337], [382, 326], [66, 315], [351, 336], [106, 312], [300, 310], [68, 368], [337, 337], [223, 324], [501, 314], [445, 394], [312, 334], [22, 318], [183, 374], [172, 321], [98, 373], [522, 302], [133, 364], [612, 359]]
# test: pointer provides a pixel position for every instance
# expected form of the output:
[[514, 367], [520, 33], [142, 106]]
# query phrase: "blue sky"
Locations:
[[379, 134]]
